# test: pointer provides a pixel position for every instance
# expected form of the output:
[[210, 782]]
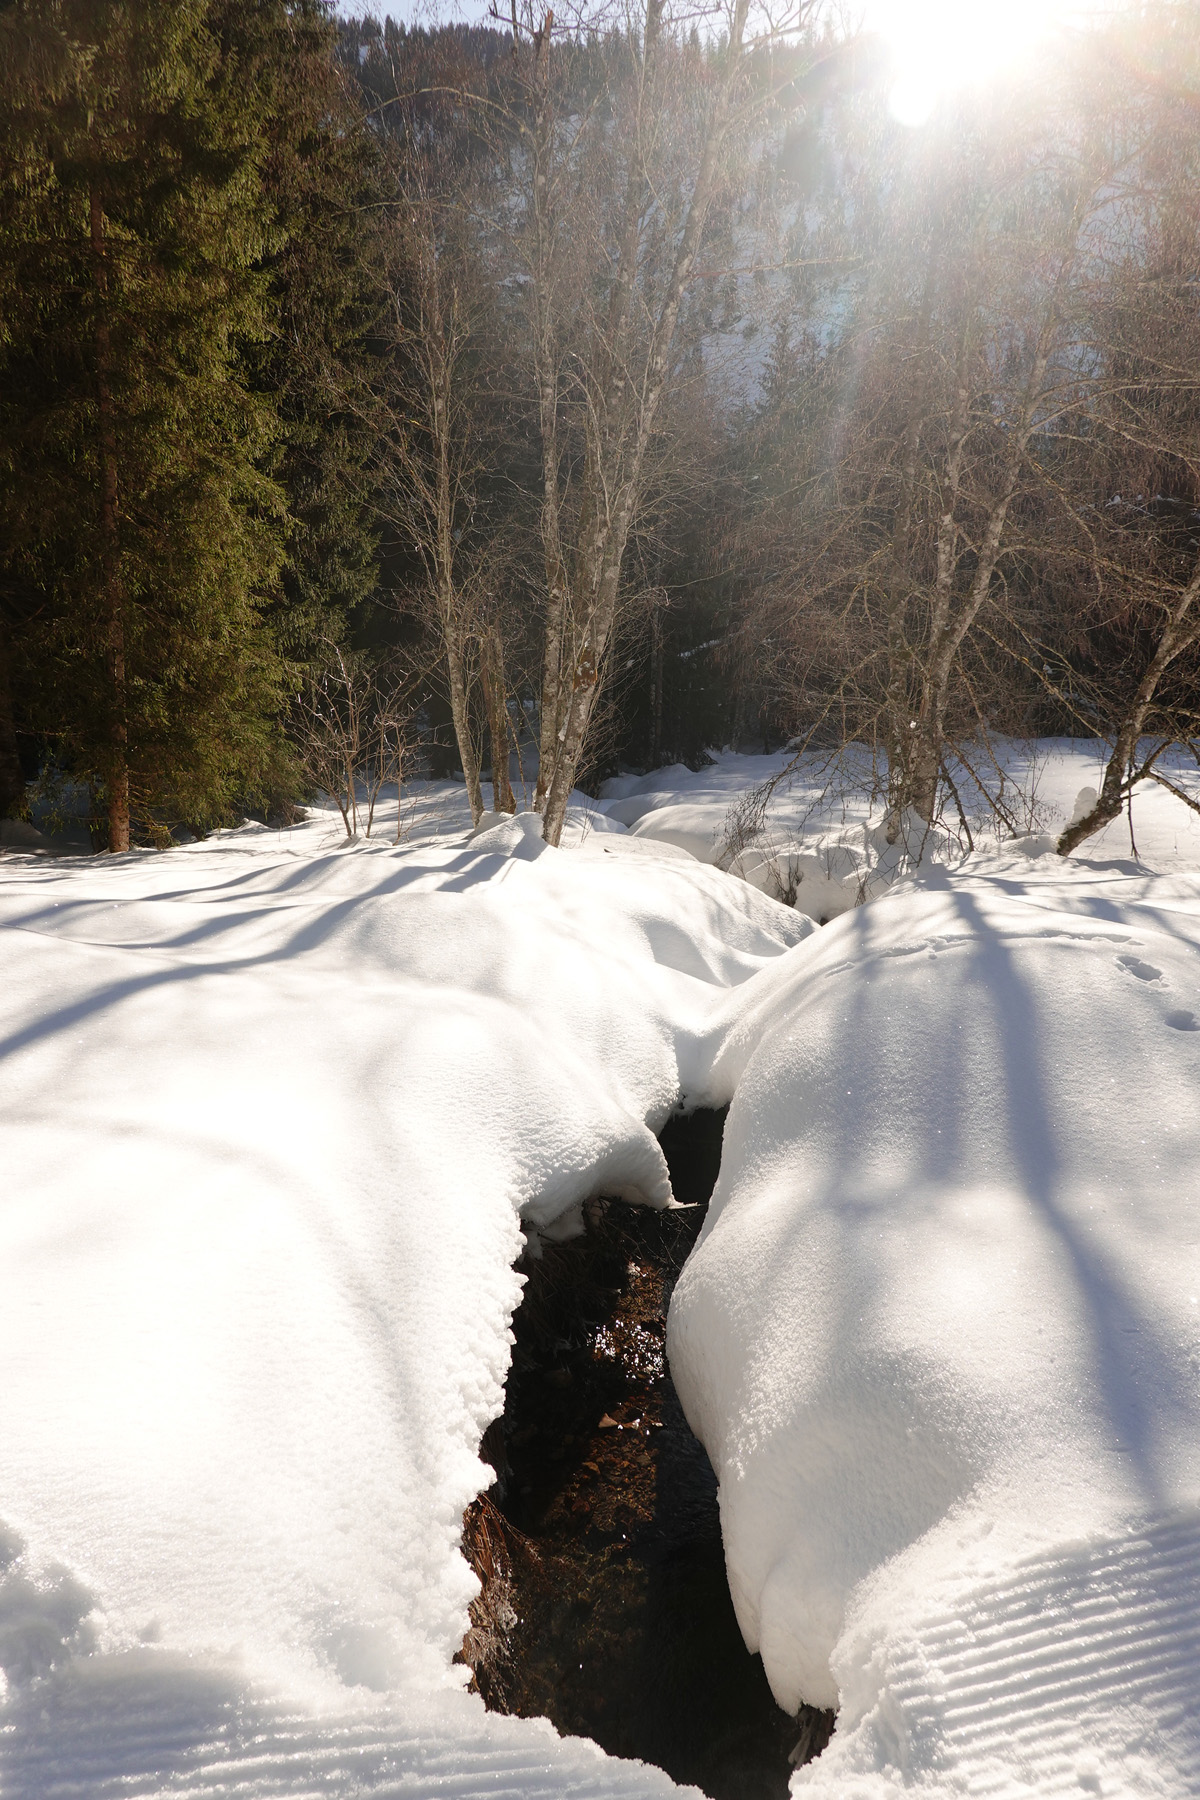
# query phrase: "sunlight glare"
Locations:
[[941, 45]]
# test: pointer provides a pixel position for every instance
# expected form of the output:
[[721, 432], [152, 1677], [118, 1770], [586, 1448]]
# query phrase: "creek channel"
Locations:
[[605, 1606]]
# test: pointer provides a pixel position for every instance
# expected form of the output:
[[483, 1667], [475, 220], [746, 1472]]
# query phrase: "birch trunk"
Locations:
[[623, 407], [460, 712], [948, 627], [495, 694], [1181, 630], [113, 610]]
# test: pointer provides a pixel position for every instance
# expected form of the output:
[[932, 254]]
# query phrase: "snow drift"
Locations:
[[819, 843], [274, 1112], [941, 1333]]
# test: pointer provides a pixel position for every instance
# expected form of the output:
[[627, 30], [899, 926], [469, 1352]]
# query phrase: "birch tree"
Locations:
[[440, 451], [927, 496], [615, 188]]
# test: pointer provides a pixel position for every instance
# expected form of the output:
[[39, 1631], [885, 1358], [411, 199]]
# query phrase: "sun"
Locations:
[[943, 45]]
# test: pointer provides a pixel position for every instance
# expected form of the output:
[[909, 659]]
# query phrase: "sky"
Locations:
[[939, 45]]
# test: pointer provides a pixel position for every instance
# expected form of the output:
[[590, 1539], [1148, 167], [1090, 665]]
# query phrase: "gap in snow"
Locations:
[[605, 1604]]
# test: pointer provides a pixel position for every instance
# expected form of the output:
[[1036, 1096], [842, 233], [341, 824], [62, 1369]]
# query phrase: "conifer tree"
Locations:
[[322, 186], [140, 529], [37, 66]]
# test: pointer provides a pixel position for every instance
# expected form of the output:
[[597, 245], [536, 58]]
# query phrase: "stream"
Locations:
[[605, 1606]]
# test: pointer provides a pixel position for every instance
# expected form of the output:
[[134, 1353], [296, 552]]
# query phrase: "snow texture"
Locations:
[[275, 1110], [941, 1333]]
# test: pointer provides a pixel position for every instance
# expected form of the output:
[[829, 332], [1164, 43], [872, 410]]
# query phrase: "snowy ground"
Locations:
[[821, 838], [941, 1335], [275, 1109]]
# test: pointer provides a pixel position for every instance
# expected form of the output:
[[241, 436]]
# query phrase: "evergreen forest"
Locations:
[[594, 389]]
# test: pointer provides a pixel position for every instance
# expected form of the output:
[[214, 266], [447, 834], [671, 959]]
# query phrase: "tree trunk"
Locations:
[[922, 746], [460, 711], [624, 401], [495, 695], [1181, 629], [12, 778], [656, 686], [117, 769]]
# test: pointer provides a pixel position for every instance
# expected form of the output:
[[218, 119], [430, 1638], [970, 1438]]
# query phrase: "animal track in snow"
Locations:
[[1183, 1021], [1143, 970]]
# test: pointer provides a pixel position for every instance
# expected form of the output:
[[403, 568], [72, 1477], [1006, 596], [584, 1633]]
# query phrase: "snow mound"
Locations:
[[275, 1111], [941, 1332], [819, 844]]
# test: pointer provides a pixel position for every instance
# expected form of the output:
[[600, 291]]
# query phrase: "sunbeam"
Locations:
[[944, 45]]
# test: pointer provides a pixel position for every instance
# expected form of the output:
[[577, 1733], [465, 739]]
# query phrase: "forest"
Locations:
[[600, 901], [598, 387]]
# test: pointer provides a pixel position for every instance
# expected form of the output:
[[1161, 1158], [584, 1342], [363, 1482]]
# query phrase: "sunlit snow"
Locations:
[[275, 1111]]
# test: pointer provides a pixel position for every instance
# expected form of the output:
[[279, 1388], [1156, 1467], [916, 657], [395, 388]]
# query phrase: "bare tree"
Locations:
[[1140, 522], [957, 393], [353, 727], [616, 182], [439, 454]]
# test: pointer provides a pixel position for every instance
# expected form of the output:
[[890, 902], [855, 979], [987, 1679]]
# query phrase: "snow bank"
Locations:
[[941, 1333], [821, 846], [274, 1110]]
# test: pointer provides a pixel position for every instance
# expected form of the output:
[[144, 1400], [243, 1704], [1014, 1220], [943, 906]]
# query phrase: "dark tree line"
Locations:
[[186, 302], [608, 389]]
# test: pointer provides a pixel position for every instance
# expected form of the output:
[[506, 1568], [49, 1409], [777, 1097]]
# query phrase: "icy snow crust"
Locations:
[[275, 1113]]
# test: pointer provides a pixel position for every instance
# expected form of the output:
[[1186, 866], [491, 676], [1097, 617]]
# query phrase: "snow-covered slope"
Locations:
[[821, 842], [941, 1334], [273, 1111]]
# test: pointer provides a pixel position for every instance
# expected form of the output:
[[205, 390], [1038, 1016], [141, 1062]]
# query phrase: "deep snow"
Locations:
[[821, 838], [274, 1111], [941, 1333]]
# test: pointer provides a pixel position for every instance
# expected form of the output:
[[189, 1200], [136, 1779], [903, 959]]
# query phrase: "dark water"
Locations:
[[605, 1604]]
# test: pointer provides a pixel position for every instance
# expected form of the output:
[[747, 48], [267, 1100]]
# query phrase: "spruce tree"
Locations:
[[37, 67], [140, 525], [322, 179]]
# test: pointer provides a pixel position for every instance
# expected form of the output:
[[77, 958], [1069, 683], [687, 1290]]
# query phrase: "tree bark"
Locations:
[[460, 712], [12, 778], [656, 685], [116, 772], [495, 694], [1182, 628]]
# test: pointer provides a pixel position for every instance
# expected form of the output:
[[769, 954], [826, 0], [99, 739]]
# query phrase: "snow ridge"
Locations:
[[151, 1726], [1054, 1678]]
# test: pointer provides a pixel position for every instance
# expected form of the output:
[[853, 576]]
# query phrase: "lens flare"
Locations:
[[944, 45]]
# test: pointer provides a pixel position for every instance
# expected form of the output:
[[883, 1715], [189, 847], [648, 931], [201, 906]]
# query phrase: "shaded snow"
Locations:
[[941, 1333], [275, 1109], [276, 1112]]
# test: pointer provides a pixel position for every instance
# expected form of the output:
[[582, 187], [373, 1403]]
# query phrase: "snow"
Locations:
[[941, 1333], [822, 840], [277, 1111]]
